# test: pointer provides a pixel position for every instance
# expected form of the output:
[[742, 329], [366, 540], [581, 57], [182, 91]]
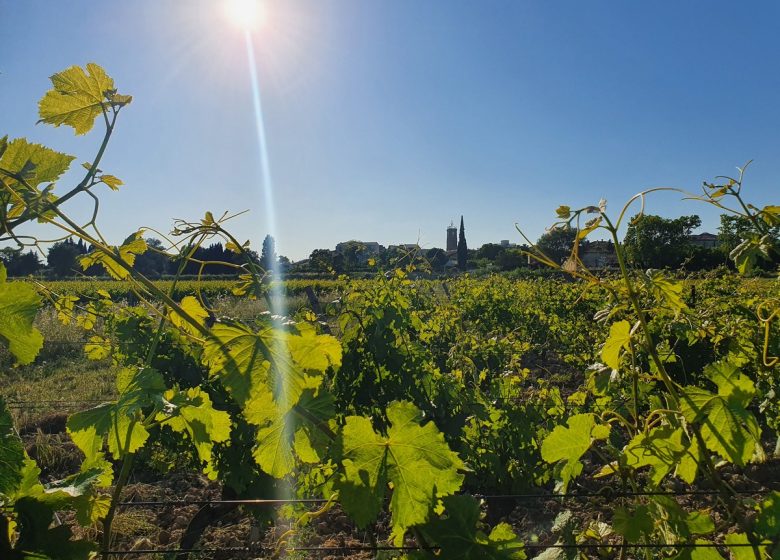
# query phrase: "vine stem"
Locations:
[[124, 475]]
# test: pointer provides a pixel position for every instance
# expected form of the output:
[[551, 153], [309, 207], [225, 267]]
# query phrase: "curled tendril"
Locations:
[[766, 312]]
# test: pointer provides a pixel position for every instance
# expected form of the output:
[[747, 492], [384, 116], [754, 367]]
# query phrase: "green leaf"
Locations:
[[727, 427], [702, 553], [134, 245], [314, 352], [458, 536], [699, 523], [768, 520], [191, 306], [78, 97], [771, 215], [742, 552], [19, 303], [569, 444], [633, 524], [619, 338], [119, 422], [667, 290], [38, 539], [190, 412], [97, 348], [274, 452], [35, 163], [590, 226], [271, 366], [113, 182], [748, 252], [662, 449], [78, 492], [11, 453], [415, 459], [289, 432], [732, 384]]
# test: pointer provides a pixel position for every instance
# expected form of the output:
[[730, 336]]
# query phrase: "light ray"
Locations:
[[277, 298]]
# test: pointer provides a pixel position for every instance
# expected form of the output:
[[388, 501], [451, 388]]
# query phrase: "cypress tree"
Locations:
[[463, 250]]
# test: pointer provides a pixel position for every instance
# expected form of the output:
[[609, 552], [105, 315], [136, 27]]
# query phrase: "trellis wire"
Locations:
[[354, 548], [531, 496]]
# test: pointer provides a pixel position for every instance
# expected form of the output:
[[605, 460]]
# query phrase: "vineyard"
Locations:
[[628, 416]]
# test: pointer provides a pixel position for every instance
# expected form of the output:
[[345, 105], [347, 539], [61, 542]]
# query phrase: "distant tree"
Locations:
[[463, 249], [268, 255], [704, 258], [511, 259], [62, 257], [557, 243], [152, 263], [656, 242], [437, 258], [321, 260], [490, 251], [18, 263], [355, 254]]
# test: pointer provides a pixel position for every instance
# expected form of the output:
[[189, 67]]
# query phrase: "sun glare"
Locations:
[[246, 14]]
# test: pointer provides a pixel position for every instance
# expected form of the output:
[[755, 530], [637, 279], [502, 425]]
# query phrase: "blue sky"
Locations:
[[387, 119]]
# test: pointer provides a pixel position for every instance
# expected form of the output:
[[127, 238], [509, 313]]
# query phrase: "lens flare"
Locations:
[[246, 14], [277, 301]]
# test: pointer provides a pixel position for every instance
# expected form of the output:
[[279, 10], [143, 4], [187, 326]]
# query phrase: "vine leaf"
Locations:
[[740, 551], [458, 536], [634, 523], [35, 163], [131, 247], [191, 306], [768, 520], [727, 427], [667, 290], [39, 539], [112, 182], [271, 367], [414, 458], [11, 452], [191, 412], [706, 552], [118, 422], [288, 432], [663, 450], [78, 97], [619, 337], [569, 444], [19, 303]]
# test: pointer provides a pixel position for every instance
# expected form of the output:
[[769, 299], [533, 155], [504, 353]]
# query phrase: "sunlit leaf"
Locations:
[[78, 97], [414, 458], [19, 303], [35, 163], [618, 340]]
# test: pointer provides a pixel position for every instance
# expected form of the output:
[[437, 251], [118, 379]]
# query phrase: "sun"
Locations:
[[246, 14]]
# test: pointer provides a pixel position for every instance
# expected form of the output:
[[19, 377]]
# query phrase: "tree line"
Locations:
[[651, 242], [62, 260]]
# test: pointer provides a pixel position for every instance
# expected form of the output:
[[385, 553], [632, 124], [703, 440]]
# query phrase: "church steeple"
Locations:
[[463, 250]]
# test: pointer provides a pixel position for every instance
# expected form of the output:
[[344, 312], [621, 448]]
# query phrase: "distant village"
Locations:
[[651, 242]]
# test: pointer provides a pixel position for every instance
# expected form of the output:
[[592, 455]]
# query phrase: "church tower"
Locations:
[[452, 238]]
